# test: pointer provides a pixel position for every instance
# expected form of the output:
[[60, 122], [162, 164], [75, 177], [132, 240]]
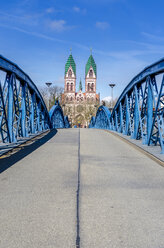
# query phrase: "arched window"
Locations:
[[77, 98], [67, 99], [71, 86], [71, 98], [92, 99], [70, 73], [92, 87], [90, 73], [67, 86], [88, 99], [88, 87]]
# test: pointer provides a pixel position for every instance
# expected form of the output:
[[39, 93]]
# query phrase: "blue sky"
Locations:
[[125, 36]]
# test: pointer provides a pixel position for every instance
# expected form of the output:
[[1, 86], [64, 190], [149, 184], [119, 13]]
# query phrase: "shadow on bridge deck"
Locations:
[[25, 150]]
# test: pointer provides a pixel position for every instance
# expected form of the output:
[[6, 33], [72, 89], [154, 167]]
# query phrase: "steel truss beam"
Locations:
[[139, 111], [22, 108]]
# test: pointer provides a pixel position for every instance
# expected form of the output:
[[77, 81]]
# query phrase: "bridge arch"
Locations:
[[102, 119], [57, 118]]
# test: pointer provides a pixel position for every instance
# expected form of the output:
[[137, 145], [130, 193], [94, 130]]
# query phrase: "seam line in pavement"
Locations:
[[77, 198]]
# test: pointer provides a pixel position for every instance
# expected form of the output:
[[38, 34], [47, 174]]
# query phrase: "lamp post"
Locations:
[[48, 85], [112, 86]]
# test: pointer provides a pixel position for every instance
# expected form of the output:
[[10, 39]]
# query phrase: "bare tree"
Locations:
[[55, 94], [51, 94], [109, 104]]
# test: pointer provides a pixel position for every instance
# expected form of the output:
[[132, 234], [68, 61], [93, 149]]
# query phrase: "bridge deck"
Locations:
[[120, 201]]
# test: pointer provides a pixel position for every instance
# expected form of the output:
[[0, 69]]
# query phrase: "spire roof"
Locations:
[[70, 62], [80, 85], [90, 63]]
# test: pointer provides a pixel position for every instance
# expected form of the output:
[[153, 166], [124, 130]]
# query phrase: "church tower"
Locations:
[[70, 79], [90, 79], [80, 106]]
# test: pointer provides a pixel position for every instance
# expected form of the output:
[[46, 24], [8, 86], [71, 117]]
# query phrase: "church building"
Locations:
[[80, 106]]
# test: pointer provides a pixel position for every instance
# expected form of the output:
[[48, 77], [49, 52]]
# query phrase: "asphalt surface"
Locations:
[[38, 196], [109, 190]]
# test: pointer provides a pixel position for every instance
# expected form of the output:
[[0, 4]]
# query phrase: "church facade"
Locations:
[[80, 106]]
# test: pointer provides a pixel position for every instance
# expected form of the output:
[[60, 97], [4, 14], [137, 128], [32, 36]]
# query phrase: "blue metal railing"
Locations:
[[139, 111], [22, 108]]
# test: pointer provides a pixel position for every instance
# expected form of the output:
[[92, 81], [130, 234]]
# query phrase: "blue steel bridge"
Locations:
[[70, 187]]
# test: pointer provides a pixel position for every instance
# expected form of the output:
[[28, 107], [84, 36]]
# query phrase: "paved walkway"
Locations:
[[120, 202]]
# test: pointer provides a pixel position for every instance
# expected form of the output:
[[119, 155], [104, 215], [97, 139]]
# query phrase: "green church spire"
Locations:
[[70, 62], [90, 63], [80, 85]]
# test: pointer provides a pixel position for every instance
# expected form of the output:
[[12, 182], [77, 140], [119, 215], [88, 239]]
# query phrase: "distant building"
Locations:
[[80, 106]]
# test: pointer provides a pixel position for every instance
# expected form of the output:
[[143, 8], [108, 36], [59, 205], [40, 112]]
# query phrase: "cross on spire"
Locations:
[[91, 50], [70, 50]]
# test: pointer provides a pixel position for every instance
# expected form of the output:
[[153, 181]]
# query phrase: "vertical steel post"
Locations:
[[43, 119], [23, 110], [142, 133], [127, 116], [136, 113], [38, 116], [149, 111], [121, 119], [132, 113], [32, 112], [10, 108], [116, 120]]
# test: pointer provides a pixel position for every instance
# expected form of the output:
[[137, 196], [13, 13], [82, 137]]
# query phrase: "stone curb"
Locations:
[[142, 150]]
